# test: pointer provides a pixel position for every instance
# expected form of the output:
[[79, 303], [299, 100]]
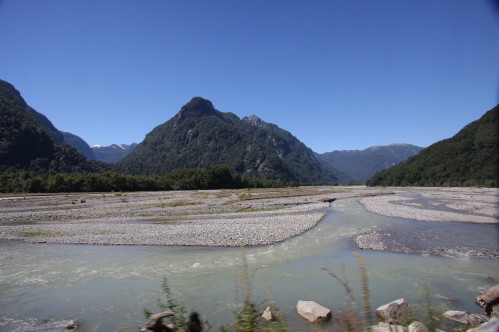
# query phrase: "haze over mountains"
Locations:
[[361, 165], [200, 136]]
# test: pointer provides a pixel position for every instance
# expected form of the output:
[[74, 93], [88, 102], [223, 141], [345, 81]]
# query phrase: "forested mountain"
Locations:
[[79, 144], [361, 165], [469, 158], [112, 153], [201, 136], [29, 141]]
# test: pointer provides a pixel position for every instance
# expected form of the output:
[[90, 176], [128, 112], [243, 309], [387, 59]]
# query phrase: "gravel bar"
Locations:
[[248, 217]]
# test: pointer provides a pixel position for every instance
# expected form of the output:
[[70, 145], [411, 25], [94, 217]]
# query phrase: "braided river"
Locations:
[[43, 287]]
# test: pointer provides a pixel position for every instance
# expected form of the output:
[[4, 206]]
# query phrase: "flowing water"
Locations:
[[105, 288]]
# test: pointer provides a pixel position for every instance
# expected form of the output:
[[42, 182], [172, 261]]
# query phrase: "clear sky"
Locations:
[[338, 74]]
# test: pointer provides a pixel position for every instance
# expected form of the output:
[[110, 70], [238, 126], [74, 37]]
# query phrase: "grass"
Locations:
[[33, 234]]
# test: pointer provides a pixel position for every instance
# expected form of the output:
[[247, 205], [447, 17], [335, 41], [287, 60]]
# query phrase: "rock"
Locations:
[[417, 327], [385, 327], [495, 311], [396, 312], [491, 326], [267, 314], [464, 317], [155, 322], [489, 298], [313, 311], [328, 200], [73, 325]]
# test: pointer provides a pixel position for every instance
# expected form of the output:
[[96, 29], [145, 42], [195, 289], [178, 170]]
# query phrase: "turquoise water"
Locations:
[[42, 286]]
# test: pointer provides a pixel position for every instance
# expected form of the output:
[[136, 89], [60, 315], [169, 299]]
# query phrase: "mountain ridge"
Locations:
[[200, 136], [361, 165], [29, 141], [469, 158], [112, 153]]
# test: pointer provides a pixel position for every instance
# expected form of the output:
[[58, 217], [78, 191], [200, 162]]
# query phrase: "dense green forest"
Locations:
[[199, 136], [470, 158], [21, 181]]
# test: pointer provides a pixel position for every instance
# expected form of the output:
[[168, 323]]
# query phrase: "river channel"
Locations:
[[105, 288]]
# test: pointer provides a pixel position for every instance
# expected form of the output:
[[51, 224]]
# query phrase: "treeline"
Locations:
[[469, 158], [20, 181]]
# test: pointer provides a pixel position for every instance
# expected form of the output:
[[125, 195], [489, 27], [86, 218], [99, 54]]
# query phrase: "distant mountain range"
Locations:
[[112, 153], [469, 158], [201, 136], [361, 165]]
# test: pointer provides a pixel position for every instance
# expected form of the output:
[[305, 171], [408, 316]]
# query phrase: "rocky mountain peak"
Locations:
[[197, 106], [253, 120]]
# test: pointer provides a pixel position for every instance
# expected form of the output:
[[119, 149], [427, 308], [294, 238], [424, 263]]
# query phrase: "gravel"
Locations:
[[187, 218]]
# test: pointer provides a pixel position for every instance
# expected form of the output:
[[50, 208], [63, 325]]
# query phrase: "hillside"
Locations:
[[201, 136], [361, 165], [79, 144], [112, 153], [469, 158], [29, 141]]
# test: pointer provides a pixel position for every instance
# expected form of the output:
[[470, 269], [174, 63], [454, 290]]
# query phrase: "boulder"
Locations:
[[396, 312], [418, 327], [491, 326], [495, 311], [385, 327], [465, 317], [488, 298], [313, 311], [155, 323], [267, 314]]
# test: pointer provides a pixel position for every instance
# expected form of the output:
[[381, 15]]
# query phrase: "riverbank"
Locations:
[[217, 218], [246, 217], [430, 205]]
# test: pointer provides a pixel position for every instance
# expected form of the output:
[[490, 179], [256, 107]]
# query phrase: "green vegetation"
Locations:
[[470, 158], [199, 136], [22, 181], [29, 141], [32, 234], [349, 318]]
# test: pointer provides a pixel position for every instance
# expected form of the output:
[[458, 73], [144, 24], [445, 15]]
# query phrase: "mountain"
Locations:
[[469, 158], [361, 165], [79, 144], [28, 140], [201, 136], [112, 153]]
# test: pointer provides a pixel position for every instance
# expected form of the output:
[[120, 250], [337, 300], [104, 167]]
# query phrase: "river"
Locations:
[[105, 288]]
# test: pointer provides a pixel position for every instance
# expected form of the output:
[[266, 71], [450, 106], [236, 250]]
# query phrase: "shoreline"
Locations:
[[224, 218], [216, 218]]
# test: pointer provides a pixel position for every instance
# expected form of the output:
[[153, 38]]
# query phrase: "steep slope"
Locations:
[[361, 165], [201, 136], [112, 153], [22, 140], [28, 140], [469, 158], [79, 144]]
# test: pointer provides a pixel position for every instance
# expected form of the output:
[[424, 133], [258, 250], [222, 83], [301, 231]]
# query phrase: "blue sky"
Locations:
[[336, 74]]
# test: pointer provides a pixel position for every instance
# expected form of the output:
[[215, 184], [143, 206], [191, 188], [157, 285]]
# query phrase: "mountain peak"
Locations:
[[197, 106], [253, 120]]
